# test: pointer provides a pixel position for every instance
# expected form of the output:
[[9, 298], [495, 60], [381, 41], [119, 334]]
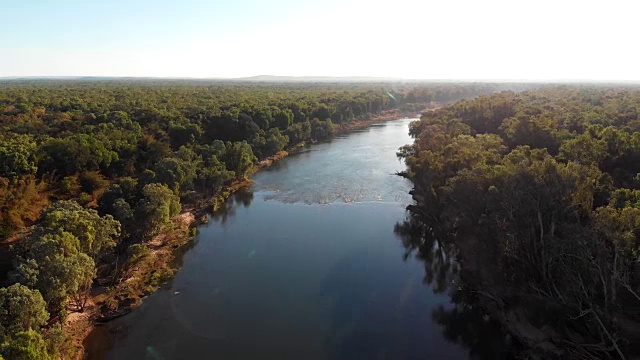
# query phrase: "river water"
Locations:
[[304, 265]]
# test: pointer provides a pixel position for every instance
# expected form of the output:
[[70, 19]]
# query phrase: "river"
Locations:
[[304, 265]]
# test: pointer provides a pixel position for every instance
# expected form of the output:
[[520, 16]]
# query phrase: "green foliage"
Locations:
[[174, 173], [57, 258], [535, 194], [213, 175], [156, 208], [283, 119], [135, 254], [95, 233], [270, 143], [21, 309], [322, 129], [238, 157], [122, 211], [53, 264], [184, 133], [584, 149], [57, 341], [263, 117], [130, 149], [536, 131], [75, 154], [17, 155], [299, 132], [26, 345]]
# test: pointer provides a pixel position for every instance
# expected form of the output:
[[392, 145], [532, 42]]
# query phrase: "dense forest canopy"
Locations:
[[72, 139], [540, 193], [92, 170]]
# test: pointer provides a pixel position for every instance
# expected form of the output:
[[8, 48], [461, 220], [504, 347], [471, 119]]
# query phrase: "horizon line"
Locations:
[[265, 78]]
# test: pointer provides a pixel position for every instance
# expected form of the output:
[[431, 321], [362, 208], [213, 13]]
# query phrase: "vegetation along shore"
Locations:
[[537, 196], [101, 180]]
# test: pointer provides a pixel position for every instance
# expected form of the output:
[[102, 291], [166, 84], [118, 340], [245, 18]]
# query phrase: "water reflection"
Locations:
[[441, 269], [376, 317], [272, 278], [470, 328], [242, 197], [463, 324]]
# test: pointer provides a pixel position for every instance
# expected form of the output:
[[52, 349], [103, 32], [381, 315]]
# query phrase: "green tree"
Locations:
[[77, 153], [21, 309], [322, 112], [156, 208], [26, 345], [178, 172], [213, 175], [95, 233], [552, 231], [122, 211], [171, 172], [283, 119], [184, 133], [537, 132], [263, 118], [584, 149], [322, 129], [17, 155], [275, 141], [239, 158], [299, 132], [53, 264]]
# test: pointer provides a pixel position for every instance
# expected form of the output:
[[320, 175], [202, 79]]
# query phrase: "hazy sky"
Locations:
[[476, 39]]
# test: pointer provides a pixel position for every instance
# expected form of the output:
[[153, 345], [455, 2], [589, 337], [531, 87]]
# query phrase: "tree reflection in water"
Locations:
[[242, 197], [464, 323]]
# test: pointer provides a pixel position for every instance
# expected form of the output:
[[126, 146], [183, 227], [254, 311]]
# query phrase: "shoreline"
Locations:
[[387, 115], [105, 305]]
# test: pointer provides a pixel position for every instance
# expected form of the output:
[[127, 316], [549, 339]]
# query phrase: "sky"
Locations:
[[446, 39]]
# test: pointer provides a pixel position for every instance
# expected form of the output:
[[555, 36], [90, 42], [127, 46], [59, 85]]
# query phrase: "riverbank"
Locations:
[[387, 115], [156, 267], [271, 264], [151, 271]]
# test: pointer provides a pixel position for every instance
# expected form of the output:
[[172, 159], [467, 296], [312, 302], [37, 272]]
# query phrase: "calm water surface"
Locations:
[[305, 265]]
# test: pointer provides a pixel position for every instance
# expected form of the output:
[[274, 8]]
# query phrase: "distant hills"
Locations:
[[274, 78], [258, 78], [322, 79]]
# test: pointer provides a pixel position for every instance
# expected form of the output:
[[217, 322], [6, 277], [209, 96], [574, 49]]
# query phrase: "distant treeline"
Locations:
[[91, 170], [540, 193]]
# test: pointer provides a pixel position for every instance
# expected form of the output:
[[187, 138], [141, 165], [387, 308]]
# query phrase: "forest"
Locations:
[[534, 199], [92, 170]]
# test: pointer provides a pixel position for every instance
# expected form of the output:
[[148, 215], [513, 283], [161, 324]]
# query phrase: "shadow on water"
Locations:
[[463, 324], [104, 336], [242, 197]]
